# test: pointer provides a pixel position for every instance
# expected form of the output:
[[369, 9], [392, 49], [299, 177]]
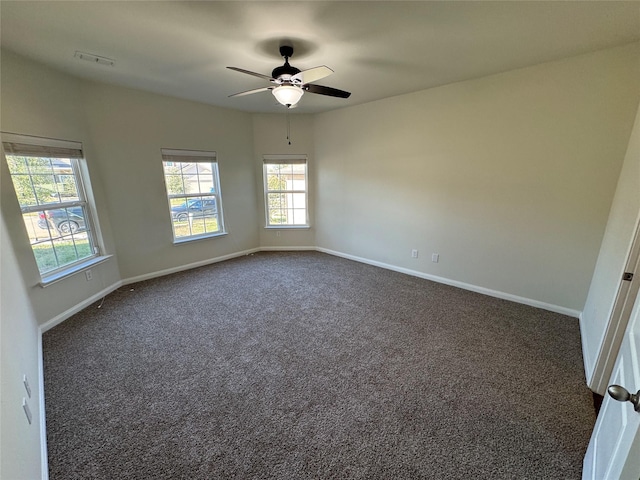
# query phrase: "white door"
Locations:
[[614, 449]]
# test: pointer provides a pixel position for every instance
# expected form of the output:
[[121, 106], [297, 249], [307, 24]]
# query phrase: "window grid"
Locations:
[[54, 209], [193, 191], [285, 193]]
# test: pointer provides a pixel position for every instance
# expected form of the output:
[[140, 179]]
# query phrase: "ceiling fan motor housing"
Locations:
[[286, 51], [285, 69]]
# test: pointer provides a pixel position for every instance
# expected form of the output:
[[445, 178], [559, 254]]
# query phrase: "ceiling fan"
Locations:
[[290, 83]]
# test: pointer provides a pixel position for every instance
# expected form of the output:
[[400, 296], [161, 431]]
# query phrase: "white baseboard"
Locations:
[[586, 357], [76, 308], [466, 286], [287, 249], [44, 459], [189, 266], [454, 283]]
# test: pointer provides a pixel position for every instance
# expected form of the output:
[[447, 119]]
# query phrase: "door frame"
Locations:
[[619, 318]]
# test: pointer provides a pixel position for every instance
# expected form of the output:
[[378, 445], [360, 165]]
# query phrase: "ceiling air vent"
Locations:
[[90, 57]]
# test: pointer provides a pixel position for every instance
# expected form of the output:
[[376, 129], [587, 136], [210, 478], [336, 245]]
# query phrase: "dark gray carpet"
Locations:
[[308, 366]]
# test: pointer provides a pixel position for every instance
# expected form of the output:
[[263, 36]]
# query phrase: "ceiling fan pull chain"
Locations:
[[288, 128]]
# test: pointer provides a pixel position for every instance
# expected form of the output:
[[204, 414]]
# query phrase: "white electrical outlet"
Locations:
[[27, 410], [435, 257], [27, 387], [88, 274], [414, 253]]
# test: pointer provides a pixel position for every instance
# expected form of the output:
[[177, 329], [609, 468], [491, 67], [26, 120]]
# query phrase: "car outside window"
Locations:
[[50, 188], [193, 191]]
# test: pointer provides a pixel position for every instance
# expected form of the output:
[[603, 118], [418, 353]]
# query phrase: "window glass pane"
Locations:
[[297, 183], [203, 168], [273, 168], [299, 216], [299, 200], [211, 223], [67, 187], [173, 179], [298, 169], [275, 182], [205, 182], [39, 166], [45, 189], [277, 200]]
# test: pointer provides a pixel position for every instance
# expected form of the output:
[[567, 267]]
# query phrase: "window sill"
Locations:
[[284, 227], [181, 241], [67, 272]]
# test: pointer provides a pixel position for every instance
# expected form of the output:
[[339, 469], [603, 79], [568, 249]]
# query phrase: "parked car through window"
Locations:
[[64, 220], [195, 208]]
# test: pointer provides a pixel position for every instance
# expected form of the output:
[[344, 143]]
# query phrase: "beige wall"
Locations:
[[129, 128], [509, 177], [42, 102], [270, 138], [20, 458]]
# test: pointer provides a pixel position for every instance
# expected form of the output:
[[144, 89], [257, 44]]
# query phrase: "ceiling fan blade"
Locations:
[[259, 75], [312, 74], [332, 92], [249, 92]]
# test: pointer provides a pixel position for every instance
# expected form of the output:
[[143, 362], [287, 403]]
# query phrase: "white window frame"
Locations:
[[171, 156], [285, 159], [38, 147]]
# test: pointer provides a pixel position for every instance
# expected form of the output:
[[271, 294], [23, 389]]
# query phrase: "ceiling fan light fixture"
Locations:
[[287, 95]]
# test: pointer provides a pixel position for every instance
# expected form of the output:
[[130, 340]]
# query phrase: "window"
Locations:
[[193, 190], [49, 185], [285, 187]]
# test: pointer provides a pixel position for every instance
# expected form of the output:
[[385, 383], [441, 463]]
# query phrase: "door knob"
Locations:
[[622, 395]]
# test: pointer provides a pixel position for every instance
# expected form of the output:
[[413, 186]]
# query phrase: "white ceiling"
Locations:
[[377, 49]]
